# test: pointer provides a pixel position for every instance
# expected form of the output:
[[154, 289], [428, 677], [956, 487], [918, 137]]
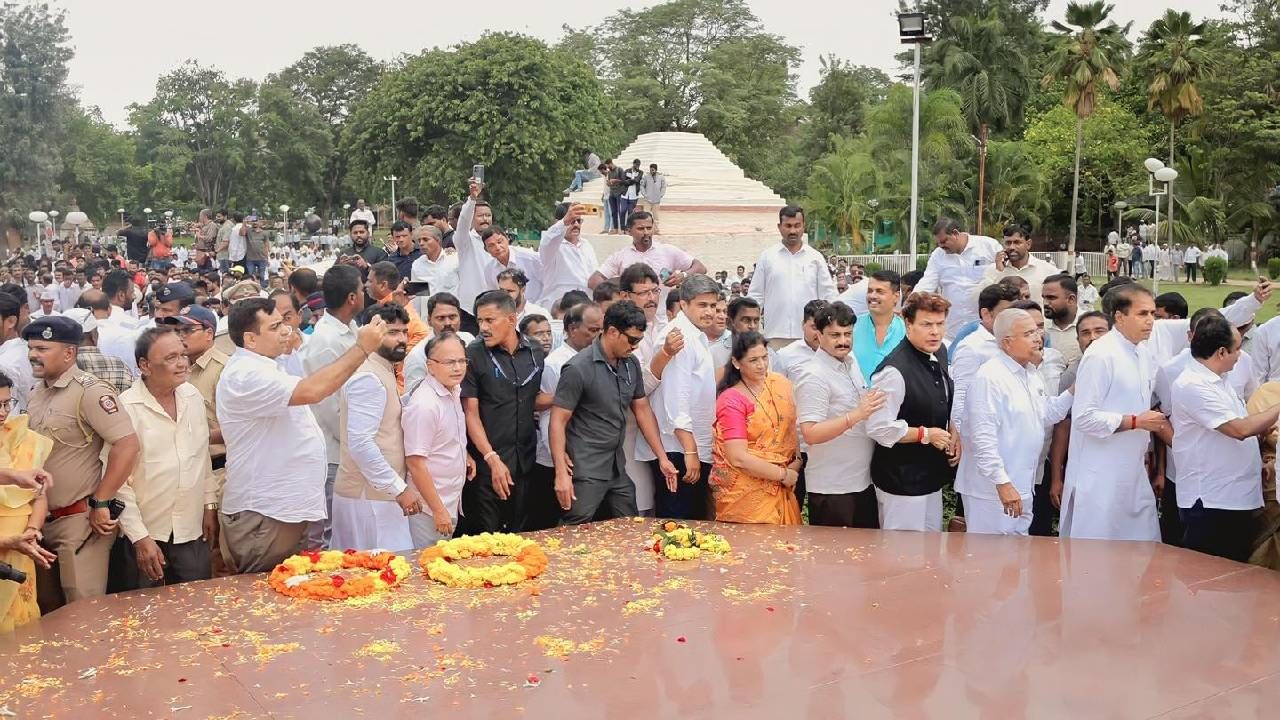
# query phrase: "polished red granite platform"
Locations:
[[800, 622]]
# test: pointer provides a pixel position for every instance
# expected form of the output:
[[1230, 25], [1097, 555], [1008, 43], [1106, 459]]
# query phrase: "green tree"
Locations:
[[838, 104], [293, 144], [1110, 157], [1017, 187], [845, 188], [34, 103], [1090, 53], [99, 169], [1175, 57], [332, 79], [203, 123], [508, 101]]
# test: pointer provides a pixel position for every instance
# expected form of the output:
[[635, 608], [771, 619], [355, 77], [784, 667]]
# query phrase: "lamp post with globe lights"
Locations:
[[1158, 173], [37, 217], [77, 218], [284, 232]]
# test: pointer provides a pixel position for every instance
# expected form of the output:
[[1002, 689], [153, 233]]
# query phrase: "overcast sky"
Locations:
[[122, 46]]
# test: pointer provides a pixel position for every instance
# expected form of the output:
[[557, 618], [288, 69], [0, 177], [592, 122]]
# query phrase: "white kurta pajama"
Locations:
[[1107, 494], [1006, 414]]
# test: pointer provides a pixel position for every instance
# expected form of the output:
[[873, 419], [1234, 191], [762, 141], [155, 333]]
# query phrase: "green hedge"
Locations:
[[1273, 268], [1215, 270]]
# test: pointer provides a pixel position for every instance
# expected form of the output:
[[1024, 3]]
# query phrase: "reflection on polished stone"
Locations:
[[798, 622]]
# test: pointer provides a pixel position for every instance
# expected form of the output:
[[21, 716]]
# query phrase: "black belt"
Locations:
[[219, 462]]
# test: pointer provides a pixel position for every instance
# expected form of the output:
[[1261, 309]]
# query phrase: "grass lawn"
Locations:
[[1201, 295]]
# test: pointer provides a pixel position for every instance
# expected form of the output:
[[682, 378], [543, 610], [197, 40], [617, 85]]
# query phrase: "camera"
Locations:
[[11, 573]]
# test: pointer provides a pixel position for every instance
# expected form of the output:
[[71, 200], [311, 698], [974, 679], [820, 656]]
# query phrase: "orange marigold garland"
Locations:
[[336, 575], [528, 560]]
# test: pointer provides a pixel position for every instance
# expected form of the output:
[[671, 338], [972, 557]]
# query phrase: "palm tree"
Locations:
[[844, 189], [979, 60], [1018, 186], [1176, 55], [1091, 50]]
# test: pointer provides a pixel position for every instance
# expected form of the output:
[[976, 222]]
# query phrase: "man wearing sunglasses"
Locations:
[[589, 422]]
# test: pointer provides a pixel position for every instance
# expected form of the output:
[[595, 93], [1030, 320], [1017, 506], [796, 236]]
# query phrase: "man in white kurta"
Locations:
[[1107, 494], [788, 276], [955, 268], [1007, 412], [978, 346], [567, 258]]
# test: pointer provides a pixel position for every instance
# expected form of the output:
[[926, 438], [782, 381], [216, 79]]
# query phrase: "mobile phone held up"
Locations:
[[477, 172]]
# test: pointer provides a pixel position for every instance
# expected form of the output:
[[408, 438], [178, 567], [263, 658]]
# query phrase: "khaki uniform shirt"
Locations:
[[80, 413], [205, 372]]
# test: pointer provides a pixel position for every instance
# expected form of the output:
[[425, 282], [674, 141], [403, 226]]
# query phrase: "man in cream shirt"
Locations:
[[956, 268]]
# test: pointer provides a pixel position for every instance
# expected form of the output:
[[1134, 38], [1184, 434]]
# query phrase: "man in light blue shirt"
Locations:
[[877, 333]]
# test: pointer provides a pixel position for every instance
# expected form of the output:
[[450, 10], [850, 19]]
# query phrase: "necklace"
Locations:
[[777, 414]]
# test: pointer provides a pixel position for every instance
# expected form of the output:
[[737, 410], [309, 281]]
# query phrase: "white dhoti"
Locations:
[[638, 471], [363, 524], [922, 513], [987, 516]]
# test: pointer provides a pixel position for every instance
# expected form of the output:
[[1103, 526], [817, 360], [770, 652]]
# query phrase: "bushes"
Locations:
[[872, 268], [1273, 268], [1215, 270]]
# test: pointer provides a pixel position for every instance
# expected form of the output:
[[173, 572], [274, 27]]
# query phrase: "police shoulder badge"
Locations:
[[108, 404]]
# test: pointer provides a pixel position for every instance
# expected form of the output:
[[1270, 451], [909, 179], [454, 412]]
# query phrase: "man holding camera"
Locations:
[[80, 413]]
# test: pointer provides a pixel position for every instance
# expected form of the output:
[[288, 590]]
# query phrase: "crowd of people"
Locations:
[[170, 421], [1139, 255]]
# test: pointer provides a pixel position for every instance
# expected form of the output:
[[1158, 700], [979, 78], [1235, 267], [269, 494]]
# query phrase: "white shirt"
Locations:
[[855, 296], [275, 451], [15, 363], [366, 214], [972, 353], [1087, 297], [686, 396], [440, 275], [954, 276], [521, 258], [473, 261], [565, 266], [792, 358], [366, 400], [1107, 494], [550, 379], [1035, 272], [68, 295], [1007, 412], [117, 337], [827, 388], [436, 430], [327, 343], [415, 363], [532, 309], [238, 245], [1169, 337], [784, 281], [1191, 255], [1214, 468]]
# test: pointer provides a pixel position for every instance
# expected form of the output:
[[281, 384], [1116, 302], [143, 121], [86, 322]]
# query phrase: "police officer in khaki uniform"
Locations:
[[79, 413]]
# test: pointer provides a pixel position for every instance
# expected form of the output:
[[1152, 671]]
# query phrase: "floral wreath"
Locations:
[[677, 541], [321, 575], [528, 560]]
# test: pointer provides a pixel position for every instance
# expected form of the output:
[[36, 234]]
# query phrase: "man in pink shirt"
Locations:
[[435, 441], [671, 263]]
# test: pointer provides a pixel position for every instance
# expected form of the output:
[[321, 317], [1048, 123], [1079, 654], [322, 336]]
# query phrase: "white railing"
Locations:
[[1094, 262]]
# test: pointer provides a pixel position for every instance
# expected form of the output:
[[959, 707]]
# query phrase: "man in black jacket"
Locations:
[[916, 448]]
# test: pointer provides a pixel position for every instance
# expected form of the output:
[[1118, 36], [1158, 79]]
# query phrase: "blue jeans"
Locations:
[[581, 176], [625, 207], [256, 269]]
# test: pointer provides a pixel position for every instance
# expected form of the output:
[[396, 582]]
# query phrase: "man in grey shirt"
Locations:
[[589, 421]]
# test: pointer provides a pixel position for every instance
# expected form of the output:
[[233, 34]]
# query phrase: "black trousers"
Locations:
[[601, 499], [1043, 513], [544, 509], [855, 509], [689, 501], [1171, 530], [484, 511], [184, 562], [1191, 272], [1225, 533]]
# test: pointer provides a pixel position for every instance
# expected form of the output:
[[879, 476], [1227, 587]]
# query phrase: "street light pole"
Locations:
[[1157, 172], [393, 180], [911, 31]]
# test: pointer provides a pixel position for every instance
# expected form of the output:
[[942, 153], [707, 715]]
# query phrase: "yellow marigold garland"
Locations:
[[316, 575], [529, 560], [677, 541]]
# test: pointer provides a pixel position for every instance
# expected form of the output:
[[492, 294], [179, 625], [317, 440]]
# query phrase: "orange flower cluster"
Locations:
[[316, 575], [529, 560]]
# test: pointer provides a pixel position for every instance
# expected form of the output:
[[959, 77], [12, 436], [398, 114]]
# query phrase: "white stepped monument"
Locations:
[[711, 209]]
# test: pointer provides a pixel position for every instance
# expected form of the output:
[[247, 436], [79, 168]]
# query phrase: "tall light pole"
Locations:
[[77, 218], [37, 217], [393, 180], [1119, 206], [284, 234], [1157, 172], [911, 31]]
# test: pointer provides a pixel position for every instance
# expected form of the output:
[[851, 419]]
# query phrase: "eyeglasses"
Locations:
[[461, 362], [633, 340], [651, 292]]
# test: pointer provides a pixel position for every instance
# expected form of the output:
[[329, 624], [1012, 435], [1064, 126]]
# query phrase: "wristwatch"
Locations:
[[211, 506], [95, 504]]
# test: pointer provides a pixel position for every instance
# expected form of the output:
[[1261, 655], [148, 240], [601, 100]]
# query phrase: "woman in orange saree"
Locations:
[[756, 455]]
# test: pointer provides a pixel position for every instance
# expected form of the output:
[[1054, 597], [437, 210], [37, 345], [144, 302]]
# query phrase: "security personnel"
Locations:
[[79, 413]]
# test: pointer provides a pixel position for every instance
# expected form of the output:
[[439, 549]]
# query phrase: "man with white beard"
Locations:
[[1007, 412]]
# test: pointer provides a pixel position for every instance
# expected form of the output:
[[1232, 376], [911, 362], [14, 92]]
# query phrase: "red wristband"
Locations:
[[1133, 422], [920, 434]]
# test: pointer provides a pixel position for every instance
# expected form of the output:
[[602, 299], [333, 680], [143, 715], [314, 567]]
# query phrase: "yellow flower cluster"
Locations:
[[439, 564], [677, 541]]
